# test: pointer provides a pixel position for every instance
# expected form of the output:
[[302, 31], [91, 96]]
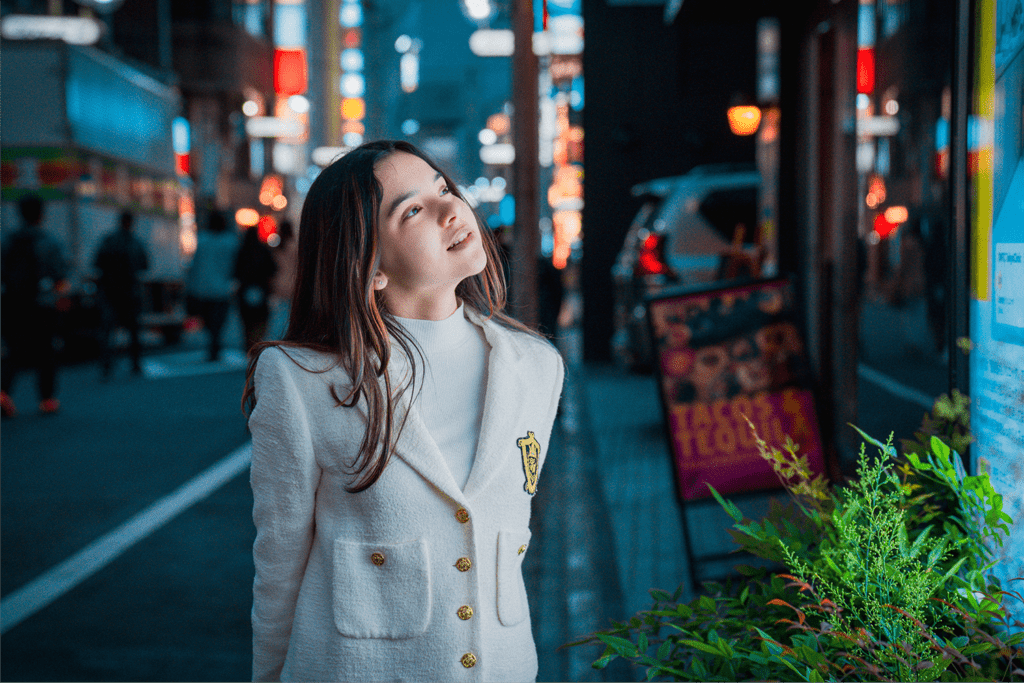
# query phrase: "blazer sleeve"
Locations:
[[284, 478], [556, 396]]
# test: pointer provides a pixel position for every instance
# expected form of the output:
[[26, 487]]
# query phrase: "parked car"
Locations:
[[690, 229]]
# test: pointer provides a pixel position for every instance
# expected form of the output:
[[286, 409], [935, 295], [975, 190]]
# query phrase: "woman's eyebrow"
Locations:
[[401, 198]]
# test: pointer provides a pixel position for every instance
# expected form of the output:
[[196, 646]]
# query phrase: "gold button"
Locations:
[[469, 660], [377, 559], [462, 515], [465, 612], [522, 549], [464, 564]]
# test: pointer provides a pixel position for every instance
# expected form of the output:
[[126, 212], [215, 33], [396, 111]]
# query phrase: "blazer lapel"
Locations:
[[419, 450], [497, 442]]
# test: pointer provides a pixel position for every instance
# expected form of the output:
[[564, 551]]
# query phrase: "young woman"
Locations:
[[398, 432]]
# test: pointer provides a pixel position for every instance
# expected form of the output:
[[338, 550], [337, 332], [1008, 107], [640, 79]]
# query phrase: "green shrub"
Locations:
[[889, 579]]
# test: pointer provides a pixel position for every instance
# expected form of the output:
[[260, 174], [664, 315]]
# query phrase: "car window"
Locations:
[[727, 208]]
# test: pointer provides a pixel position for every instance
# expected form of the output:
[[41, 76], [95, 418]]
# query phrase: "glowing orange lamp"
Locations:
[[744, 117], [897, 214]]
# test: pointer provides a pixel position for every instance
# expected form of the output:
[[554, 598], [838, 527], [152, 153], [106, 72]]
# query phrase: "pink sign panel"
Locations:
[[723, 357]]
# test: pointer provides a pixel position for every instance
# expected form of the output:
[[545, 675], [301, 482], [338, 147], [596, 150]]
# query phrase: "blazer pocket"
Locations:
[[381, 590], [512, 605]]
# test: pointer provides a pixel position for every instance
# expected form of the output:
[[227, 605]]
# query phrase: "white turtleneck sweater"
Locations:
[[453, 382]]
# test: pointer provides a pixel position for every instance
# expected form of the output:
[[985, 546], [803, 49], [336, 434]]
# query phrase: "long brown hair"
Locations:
[[336, 310]]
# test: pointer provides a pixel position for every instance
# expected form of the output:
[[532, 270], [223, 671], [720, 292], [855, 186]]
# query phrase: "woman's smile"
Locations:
[[461, 237]]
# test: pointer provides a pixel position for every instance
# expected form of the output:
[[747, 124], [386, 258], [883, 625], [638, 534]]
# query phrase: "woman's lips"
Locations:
[[461, 238]]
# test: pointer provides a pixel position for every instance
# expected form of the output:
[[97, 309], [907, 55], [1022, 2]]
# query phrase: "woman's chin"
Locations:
[[478, 263]]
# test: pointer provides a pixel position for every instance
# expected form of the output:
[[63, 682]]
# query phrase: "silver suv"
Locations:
[[691, 229]]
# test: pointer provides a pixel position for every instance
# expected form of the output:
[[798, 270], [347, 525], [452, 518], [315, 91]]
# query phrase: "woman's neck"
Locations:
[[436, 306]]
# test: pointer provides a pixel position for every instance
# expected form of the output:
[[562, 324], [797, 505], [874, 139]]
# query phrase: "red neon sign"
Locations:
[[866, 70], [289, 71]]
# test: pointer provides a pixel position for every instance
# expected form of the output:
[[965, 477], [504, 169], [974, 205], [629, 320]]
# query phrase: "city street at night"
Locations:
[[169, 602], [577, 330]]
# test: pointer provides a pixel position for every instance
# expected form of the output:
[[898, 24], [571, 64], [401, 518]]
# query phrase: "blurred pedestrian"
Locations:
[[210, 284], [905, 290], [254, 270], [120, 260], [34, 274], [371, 493], [282, 288]]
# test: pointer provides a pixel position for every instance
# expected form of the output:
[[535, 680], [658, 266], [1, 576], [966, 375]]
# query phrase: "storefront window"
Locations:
[[905, 64]]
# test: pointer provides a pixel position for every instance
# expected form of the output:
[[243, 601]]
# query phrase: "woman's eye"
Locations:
[[413, 211], [445, 190]]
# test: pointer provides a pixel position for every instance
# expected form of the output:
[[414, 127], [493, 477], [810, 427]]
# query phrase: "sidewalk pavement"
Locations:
[[607, 525]]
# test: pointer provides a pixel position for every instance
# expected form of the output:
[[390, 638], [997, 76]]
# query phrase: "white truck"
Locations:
[[91, 135]]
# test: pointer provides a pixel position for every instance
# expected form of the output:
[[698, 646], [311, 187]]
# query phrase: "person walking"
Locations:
[[254, 270], [282, 287], [33, 271], [209, 284], [398, 433], [120, 260]]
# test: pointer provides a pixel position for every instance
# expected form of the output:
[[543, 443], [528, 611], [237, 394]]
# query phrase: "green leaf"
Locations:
[[916, 462], [664, 649], [815, 676], [703, 647], [932, 672], [744, 595], [603, 661], [707, 603], [953, 570], [652, 672], [733, 511], [642, 643], [939, 448], [785, 660], [977, 648], [936, 554], [621, 646], [699, 670], [660, 595], [915, 549], [874, 442]]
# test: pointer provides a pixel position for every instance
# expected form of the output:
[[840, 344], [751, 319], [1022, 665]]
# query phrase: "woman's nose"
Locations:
[[447, 211]]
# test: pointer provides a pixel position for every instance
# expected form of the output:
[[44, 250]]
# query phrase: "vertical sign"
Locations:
[[997, 264], [724, 356]]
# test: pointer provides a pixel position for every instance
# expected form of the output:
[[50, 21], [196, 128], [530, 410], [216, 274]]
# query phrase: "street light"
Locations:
[[744, 116]]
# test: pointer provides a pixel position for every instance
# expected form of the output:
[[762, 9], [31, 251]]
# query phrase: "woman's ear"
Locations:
[[380, 281]]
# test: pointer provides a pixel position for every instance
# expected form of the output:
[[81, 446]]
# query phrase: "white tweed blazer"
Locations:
[[412, 579]]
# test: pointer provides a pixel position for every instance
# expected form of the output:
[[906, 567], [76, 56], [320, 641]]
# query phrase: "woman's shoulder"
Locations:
[[298, 363]]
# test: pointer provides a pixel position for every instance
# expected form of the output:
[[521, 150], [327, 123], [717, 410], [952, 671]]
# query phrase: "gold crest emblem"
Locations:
[[530, 448]]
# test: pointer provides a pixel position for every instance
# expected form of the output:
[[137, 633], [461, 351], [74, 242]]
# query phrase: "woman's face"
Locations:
[[431, 240]]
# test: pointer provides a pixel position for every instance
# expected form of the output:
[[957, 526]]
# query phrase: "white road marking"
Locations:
[[895, 387], [52, 584]]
